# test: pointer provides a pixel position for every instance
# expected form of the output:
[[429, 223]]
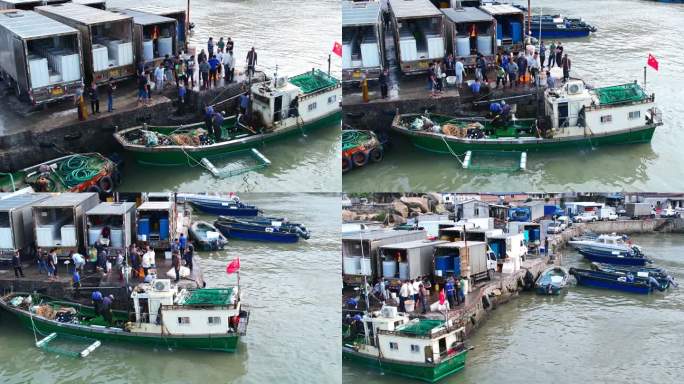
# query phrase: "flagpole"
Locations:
[[644, 77]]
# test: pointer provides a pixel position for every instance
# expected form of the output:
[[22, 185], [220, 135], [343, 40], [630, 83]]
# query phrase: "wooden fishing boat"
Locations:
[[265, 221], [426, 350], [279, 108], [614, 257], [84, 172], [206, 237], [256, 232], [575, 117], [551, 281], [164, 317], [616, 281]]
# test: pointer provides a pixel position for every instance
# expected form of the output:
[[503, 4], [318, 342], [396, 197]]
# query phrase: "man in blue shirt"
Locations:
[[475, 87], [244, 103], [181, 98], [106, 308], [183, 241], [449, 288], [208, 116], [218, 122], [96, 297], [213, 69]]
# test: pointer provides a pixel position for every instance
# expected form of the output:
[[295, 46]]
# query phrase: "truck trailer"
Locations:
[[178, 14], [156, 225], [408, 260], [99, 4], [106, 38], [510, 26], [363, 40], [470, 31], [470, 259], [639, 210], [58, 222], [418, 28], [112, 226], [40, 57], [528, 212], [28, 5], [154, 36], [16, 225]]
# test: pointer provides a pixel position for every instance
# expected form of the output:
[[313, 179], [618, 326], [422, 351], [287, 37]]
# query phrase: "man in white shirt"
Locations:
[[159, 77], [228, 66], [416, 289], [78, 260], [148, 260], [460, 71], [404, 293]]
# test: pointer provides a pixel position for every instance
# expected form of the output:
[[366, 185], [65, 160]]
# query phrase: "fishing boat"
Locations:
[[206, 237], [165, 317], [559, 27], [551, 281], [659, 274], [608, 243], [266, 221], [256, 232], [84, 172], [616, 281], [359, 147], [615, 257], [426, 350], [574, 116], [278, 108]]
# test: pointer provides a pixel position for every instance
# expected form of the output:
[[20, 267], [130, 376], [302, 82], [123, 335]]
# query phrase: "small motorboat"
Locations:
[[206, 237], [615, 257], [659, 274], [267, 221], [559, 27], [222, 206], [617, 281], [255, 232], [610, 242], [551, 281]]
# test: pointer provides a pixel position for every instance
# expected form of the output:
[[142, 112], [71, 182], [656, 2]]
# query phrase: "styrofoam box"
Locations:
[[40, 75], [45, 235], [116, 235], [6, 238], [369, 54], [346, 55], [409, 50], [165, 45], [55, 77], [68, 233], [100, 57], [148, 50], [93, 235], [435, 45]]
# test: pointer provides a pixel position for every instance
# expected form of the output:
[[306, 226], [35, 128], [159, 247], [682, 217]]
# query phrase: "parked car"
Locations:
[[611, 216], [564, 221], [554, 228], [669, 212], [586, 217]]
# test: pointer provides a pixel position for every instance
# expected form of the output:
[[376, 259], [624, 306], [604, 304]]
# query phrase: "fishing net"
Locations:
[[78, 169], [620, 94], [421, 328], [313, 81], [236, 163], [210, 296], [354, 138], [495, 161], [68, 345]]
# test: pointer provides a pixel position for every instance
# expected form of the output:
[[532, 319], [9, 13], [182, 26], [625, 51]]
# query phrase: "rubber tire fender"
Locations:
[[359, 159], [376, 155], [106, 184], [346, 164]]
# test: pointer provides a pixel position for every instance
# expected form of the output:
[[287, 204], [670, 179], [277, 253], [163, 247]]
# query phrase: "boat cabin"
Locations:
[[408, 260], [198, 312]]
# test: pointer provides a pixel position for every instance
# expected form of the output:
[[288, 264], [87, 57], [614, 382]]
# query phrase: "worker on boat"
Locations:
[[218, 122], [208, 117], [96, 298], [294, 107], [106, 308]]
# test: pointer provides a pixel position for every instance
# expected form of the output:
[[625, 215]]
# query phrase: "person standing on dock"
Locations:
[[251, 62], [148, 260], [220, 44], [500, 77], [449, 290], [94, 98], [481, 65], [559, 54], [52, 258], [169, 67], [42, 263], [159, 77], [423, 297], [552, 54], [181, 99], [175, 262], [464, 289], [188, 255], [204, 73], [450, 65], [522, 68], [404, 293], [213, 70], [190, 72], [228, 66], [533, 64], [182, 242], [210, 46], [542, 55], [383, 83], [229, 45], [512, 74], [16, 264], [566, 67], [110, 94]]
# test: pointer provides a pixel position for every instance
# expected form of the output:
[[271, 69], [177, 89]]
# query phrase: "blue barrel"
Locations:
[[163, 229], [526, 235], [499, 31], [516, 31], [457, 266], [444, 263], [144, 227], [495, 249]]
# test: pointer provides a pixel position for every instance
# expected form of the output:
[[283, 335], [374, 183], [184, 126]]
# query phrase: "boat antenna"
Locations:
[[275, 77]]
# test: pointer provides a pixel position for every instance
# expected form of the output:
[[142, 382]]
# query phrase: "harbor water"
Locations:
[[628, 30], [293, 334], [585, 335]]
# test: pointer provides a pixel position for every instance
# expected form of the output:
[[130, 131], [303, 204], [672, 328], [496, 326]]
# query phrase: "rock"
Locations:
[[400, 208], [398, 219], [348, 215], [436, 197], [416, 202]]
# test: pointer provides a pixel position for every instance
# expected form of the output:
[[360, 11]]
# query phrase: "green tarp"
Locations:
[[620, 94], [313, 81], [421, 328], [210, 296]]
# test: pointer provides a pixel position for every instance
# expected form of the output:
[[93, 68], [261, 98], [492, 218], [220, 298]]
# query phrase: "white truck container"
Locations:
[[509, 249], [27, 5], [178, 14], [41, 58], [469, 31], [607, 213], [476, 262], [639, 210], [59, 220], [156, 224], [119, 219], [418, 34], [16, 225], [154, 36], [408, 260], [363, 40]]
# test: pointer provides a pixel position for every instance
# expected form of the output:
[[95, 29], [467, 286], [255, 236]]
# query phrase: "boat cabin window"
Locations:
[[183, 320], [634, 115], [312, 106], [394, 346], [213, 320], [442, 346], [415, 348], [606, 118], [332, 99]]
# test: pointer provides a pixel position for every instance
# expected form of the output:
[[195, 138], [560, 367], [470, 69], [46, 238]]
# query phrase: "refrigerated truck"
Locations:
[[363, 40], [470, 31], [154, 36], [41, 58], [119, 219], [106, 39], [510, 26], [639, 210], [182, 26], [99, 4], [475, 262], [16, 225], [408, 260], [27, 5], [156, 225], [58, 222], [418, 28]]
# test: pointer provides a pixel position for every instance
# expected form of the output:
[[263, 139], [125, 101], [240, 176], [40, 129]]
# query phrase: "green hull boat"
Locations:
[[520, 135], [425, 372], [92, 326]]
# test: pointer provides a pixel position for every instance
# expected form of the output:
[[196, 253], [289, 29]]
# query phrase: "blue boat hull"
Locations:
[[608, 284], [609, 259], [218, 209], [276, 237], [556, 33], [544, 290]]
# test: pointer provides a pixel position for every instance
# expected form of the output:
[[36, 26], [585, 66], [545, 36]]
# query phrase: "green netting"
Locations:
[[68, 345], [495, 161], [210, 296], [313, 81], [620, 94], [354, 138], [421, 328]]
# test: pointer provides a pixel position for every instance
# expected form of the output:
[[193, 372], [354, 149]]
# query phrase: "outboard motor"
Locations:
[[655, 284]]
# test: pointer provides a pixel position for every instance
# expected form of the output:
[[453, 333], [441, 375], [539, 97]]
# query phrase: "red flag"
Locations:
[[652, 62], [233, 266], [337, 49], [442, 297]]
